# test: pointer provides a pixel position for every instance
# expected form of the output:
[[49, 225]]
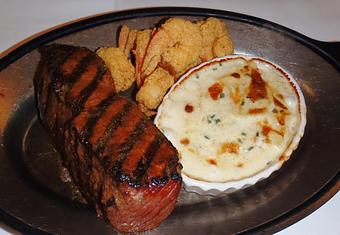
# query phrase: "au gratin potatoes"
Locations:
[[232, 118]]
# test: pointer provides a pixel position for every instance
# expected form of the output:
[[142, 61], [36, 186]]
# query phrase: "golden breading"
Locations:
[[154, 88], [142, 41], [146, 111], [122, 71], [177, 60], [223, 46], [216, 39], [126, 39], [187, 41], [123, 37], [130, 42], [159, 42], [164, 53], [176, 44]]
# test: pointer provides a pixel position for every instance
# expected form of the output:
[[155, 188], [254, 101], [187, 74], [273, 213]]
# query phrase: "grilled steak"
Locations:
[[120, 161]]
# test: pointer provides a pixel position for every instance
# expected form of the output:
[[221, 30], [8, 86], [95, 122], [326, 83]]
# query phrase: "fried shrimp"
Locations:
[[216, 39], [122, 71], [154, 88], [159, 41], [175, 46], [186, 44], [126, 39], [142, 41], [161, 55]]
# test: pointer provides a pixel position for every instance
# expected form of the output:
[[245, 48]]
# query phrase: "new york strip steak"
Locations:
[[120, 161]]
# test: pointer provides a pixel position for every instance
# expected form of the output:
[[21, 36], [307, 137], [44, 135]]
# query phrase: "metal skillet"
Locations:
[[34, 199]]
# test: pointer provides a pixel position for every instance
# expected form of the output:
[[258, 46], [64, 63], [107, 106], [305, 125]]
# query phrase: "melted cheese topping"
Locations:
[[230, 119]]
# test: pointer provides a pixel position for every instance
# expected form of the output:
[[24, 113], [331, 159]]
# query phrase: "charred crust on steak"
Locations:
[[114, 153], [60, 85]]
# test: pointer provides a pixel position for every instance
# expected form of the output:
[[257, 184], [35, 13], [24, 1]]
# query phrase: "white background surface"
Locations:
[[317, 19]]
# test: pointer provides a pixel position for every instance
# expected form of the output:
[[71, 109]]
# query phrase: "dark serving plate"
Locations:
[[33, 198]]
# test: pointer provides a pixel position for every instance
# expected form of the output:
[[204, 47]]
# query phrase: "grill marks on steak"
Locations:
[[118, 158]]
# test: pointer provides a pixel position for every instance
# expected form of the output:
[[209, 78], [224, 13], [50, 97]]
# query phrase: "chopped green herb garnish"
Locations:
[[243, 133], [239, 140], [274, 110], [220, 64], [207, 137], [242, 102], [250, 148], [197, 77], [222, 95], [214, 69], [257, 134], [212, 118], [281, 111]]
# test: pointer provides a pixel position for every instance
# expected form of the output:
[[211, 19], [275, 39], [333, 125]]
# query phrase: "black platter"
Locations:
[[33, 199]]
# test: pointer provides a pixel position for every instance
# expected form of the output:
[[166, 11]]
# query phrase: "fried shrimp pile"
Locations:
[[163, 54]]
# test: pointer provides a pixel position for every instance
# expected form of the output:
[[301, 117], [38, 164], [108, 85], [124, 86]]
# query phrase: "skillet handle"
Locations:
[[331, 48]]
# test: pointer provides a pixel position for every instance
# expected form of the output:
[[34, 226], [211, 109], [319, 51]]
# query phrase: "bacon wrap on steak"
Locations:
[[120, 161]]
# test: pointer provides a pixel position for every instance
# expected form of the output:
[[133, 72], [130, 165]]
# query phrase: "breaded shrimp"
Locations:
[[142, 41], [184, 53], [163, 54], [216, 39], [154, 88], [126, 39], [176, 45], [122, 71], [158, 43], [146, 111]]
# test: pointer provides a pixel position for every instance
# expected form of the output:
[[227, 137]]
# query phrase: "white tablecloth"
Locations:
[[314, 18]]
